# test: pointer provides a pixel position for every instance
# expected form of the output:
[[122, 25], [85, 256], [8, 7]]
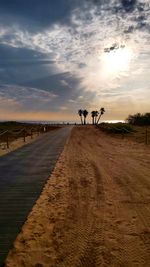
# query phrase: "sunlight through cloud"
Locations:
[[117, 61]]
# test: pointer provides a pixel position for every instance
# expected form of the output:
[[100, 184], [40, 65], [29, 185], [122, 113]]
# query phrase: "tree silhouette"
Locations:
[[102, 111], [85, 113], [139, 119], [96, 115], [93, 116], [80, 112]]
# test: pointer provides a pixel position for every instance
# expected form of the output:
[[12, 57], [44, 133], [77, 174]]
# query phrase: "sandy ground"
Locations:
[[94, 210], [16, 144]]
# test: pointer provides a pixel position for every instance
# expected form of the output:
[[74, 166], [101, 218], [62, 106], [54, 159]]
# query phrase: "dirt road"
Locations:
[[94, 210]]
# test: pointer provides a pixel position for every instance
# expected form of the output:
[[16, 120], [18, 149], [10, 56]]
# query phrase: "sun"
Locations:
[[117, 60]]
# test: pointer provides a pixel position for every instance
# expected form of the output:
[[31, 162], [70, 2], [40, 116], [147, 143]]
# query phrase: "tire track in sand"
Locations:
[[86, 200]]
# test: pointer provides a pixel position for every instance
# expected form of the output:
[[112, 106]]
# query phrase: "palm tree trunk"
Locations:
[[93, 120], [98, 118], [84, 121], [81, 120]]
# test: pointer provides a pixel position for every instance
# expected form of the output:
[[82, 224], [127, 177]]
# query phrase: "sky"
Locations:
[[59, 56]]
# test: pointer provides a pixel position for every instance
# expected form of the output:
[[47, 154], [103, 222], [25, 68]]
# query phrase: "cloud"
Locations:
[[72, 101], [86, 36], [35, 14], [63, 108], [128, 5], [75, 44], [25, 98], [64, 83], [8, 103]]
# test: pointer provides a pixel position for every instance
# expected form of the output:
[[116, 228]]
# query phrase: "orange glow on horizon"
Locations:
[[38, 116]]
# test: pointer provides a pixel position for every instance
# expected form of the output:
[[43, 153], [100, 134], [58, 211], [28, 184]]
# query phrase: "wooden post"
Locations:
[[7, 141], [146, 136], [24, 136], [31, 134]]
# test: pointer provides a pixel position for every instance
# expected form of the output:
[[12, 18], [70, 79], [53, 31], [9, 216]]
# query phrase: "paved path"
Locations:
[[23, 174]]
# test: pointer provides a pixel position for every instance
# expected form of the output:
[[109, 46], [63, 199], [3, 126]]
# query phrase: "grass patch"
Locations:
[[117, 128]]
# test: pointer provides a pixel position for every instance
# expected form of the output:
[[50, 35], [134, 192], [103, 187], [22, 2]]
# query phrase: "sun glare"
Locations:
[[117, 61]]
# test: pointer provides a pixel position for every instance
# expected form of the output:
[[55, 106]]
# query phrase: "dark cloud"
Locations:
[[81, 65], [9, 53], [130, 29], [63, 85], [41, 92], [118, 6], [22, 64], [128, 5], [114, 47], [34, 14], [140, 6], [140, 22]]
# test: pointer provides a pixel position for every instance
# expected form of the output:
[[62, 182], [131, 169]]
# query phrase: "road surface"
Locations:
[[23, 174]]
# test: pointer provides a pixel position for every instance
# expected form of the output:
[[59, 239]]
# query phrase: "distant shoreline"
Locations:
[[57, 122]]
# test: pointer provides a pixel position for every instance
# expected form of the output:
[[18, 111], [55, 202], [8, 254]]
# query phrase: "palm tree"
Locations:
[[85, 113], [93, 116], [102, 111], [96, 115], [80, 112]]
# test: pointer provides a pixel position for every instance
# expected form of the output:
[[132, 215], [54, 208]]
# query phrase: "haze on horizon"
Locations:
[[59, 56]]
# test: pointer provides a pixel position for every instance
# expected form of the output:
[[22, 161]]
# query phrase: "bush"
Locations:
[[116, 127], [139, 119]]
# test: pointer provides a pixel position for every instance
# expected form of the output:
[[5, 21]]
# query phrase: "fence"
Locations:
[[142, 135], [6, 137]]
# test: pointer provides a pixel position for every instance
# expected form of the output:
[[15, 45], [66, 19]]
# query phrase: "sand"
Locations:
[[16, 144], [94, 210]]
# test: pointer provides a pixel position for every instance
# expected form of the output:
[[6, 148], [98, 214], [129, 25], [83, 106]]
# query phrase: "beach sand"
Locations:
[[94, 210], [16, 144]]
